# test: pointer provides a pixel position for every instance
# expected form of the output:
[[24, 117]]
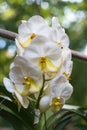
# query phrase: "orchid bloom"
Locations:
[[57, 93], [58, 34], [25, 76], [24, 79], [28, 30], [67, 64], [45, 55]]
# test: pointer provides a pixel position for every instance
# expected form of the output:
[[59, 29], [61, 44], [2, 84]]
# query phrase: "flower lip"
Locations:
[[27, 41], [33, 35], [57, 103], [26, 81]]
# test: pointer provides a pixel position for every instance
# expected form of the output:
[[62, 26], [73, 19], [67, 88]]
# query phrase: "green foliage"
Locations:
[[65, 117], [82, 127], [78, 80], [24, 118]]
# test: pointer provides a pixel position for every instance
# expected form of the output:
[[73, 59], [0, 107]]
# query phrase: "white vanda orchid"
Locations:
[[58, 34], [27, 78], [60, 90], [45, 55], [28, 30], [67, 63], [24, 80]]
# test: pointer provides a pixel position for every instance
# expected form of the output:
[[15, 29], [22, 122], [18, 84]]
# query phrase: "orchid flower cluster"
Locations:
[[41, 70]]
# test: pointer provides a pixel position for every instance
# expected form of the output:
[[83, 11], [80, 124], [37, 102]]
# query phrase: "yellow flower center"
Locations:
[[29, 87], [56, 101], [57, 104], [59, 44], [27, 81], [43, 63], [27, 42], [66, 74], [43, 60], [33, 35]]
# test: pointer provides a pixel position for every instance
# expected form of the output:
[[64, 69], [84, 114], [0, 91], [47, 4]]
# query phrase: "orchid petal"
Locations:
[[9, 85], [23, 100], [16, 75]]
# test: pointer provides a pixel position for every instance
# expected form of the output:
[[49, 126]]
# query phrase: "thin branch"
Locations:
[[8, 34], [11, 35], [79, 55]]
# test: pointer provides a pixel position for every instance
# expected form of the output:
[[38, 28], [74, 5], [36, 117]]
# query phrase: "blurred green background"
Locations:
[[72, 15]]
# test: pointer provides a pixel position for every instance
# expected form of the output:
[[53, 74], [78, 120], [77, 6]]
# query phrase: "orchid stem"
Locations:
[[41, 91], [45, 121], [31, 99]]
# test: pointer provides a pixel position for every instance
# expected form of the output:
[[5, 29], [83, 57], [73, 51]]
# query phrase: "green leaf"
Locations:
[[55, 118], [12, 117], [4, 92], [25, 116], [81, 127], [62, 124], [16, 123], [64, 117], [80, 113]]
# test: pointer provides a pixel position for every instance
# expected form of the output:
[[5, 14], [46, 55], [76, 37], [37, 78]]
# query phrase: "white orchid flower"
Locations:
[[67, 65], [58, 34], [44, 54], [27, 78], [60, 90], [28, 30], [24, 80]]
